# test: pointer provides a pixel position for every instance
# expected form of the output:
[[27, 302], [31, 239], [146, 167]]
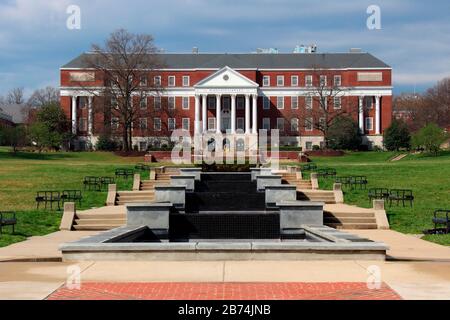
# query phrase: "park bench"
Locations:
[[142, 167], [403, 195], [7, 219], [309, 167], [378, 194], [344, 181], [326, 173], [48, 197], [441, 217], [105, 181], [72, 196], [360, 181], [92, 182], [125, 173]]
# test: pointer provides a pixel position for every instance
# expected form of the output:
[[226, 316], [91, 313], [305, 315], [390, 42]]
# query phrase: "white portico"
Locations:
[[220, 92]]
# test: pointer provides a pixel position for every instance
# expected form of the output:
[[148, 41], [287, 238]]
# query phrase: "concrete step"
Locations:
[[81, 222], [349, 214], [350, 220], [93, 227], [104, 216], [353, 226], [135, 199]]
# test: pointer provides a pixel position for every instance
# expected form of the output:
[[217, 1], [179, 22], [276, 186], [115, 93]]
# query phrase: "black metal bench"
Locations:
[[48, 197], [105, 181], [326, 173], [7, 219], [72, 195], [142, 167], [309, 167], [360, 181], [441, 217], [401, 195], [344, 181], [92, 182], [378, 194], [124, 173]]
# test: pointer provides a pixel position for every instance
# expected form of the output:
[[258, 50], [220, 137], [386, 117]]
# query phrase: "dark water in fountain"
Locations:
[[225, 206]]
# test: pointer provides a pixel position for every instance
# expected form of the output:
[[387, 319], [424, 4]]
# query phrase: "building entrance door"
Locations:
[[226, 114]]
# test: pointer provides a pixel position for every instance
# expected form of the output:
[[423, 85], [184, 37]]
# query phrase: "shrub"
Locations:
[[397, 136], [343, 134], [316, 147], [429, 138], [105, 143]]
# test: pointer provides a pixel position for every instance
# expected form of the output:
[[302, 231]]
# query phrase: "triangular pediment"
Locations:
[[226, 78]]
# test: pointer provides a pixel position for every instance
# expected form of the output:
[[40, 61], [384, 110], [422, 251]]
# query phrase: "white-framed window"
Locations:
[[240, 103], [114, 103], [266, 81], [186, 81], [308, 81], [171, 81], [157, 124], [143, 123], [294, 81], [266, 103], [240, 124], [280, 81], [308, 145], [294, 102], [280, 124], [211, 124], [83, 102], [266, 124], [142, 145], [143, 81], [309, 102], [337, 80], [186, 103], [323, 81], [82, 124], [143, 103], [368, 102], [171, 102], [294, 125], [280, 102], [324, 100], [114, 123], [186, 124], [369, 123], [157, 103], [309, 124], [171, 124], [211, 102], [157, 81], [322, 123], [337, 102]]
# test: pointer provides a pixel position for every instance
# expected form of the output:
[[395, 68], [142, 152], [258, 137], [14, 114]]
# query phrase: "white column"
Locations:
[[204, 113], [378, 115], [361, 114], [74, 115], [90, 116], [247, 114], [218, 114], [233, 114], [197, 115], [255, 114]]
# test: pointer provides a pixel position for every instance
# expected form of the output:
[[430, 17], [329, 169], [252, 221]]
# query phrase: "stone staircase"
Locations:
[[124, 197], [291, 178], [99, 219], [341, 216], [316, 195]]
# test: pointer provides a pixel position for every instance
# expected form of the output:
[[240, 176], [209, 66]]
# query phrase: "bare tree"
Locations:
[[43, 97], [15, 96], [126, 63], [326, 101]]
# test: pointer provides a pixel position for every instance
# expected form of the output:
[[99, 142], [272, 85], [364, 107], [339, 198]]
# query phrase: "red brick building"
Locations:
[[242, 94]]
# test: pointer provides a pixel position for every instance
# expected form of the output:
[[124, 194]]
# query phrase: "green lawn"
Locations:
[[22, 174], [428, 177]]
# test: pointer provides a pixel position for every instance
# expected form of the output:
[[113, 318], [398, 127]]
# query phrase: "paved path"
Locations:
[[226, 291]]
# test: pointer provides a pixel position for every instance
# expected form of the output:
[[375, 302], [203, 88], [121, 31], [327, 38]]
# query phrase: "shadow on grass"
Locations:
[[34, 156]]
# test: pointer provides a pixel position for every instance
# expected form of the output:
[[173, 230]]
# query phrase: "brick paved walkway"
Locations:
[[225, 291]]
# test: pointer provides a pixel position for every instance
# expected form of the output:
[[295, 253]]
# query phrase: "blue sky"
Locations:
[[414, 39]]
